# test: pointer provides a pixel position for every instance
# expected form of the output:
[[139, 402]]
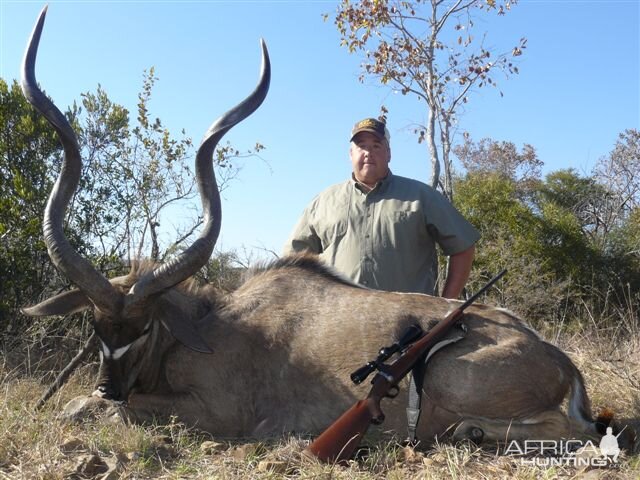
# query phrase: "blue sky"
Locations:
[[579, 86]]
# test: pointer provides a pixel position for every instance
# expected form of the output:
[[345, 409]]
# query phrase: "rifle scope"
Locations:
[[410, 335]]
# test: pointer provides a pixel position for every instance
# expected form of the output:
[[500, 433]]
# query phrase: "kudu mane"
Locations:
[[303, 261]]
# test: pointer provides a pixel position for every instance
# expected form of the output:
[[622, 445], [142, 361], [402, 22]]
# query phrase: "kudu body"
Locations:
[[285, 342]]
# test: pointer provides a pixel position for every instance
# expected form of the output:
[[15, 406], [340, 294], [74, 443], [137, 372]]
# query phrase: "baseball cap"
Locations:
[[371, 125]]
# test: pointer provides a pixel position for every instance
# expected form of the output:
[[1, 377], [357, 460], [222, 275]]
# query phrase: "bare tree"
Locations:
[[619, 175]]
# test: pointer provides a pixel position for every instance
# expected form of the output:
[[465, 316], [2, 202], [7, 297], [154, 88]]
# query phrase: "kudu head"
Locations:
[[124, 311]]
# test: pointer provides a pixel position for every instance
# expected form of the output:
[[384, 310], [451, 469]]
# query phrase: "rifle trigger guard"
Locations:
[[393, 392]]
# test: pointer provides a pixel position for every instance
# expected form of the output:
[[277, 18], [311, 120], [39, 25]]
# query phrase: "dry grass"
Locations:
[[37, 445]]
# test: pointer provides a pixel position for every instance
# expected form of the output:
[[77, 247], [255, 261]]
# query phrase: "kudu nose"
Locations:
[[108, 383], [106, 392]]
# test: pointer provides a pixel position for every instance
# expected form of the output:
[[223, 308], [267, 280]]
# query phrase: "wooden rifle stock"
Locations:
[[341, 439]]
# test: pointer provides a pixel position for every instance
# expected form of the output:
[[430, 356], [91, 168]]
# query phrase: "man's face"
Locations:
[[370, 158]]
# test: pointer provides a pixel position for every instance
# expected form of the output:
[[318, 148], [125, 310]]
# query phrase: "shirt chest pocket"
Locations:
[[402, 229]]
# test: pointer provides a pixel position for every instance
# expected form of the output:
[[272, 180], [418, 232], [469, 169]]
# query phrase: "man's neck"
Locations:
[[367, 187]]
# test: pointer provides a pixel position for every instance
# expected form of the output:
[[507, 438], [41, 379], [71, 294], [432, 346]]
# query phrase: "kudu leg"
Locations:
[[549, 425]]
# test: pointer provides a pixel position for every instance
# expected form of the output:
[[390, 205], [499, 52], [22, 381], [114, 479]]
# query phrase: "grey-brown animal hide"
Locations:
[[286, 341]]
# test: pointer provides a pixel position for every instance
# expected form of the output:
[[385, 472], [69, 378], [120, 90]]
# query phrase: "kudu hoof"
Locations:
[[468, 432]]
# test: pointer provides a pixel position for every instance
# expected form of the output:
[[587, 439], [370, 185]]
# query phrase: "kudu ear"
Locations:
[[183, 329], [62, 304]]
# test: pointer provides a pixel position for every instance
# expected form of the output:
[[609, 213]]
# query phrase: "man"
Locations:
[[380, 229]]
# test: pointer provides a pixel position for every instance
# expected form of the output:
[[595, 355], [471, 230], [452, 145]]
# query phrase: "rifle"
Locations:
[[340, 440]]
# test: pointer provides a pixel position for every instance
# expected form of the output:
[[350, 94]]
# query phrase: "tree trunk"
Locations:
[[445, 133], [433, 149], [431, 101]]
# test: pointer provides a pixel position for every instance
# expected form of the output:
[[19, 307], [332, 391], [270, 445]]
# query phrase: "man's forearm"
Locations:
[[458, 273]]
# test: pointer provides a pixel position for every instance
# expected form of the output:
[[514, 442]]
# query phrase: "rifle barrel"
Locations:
[[488, 285]]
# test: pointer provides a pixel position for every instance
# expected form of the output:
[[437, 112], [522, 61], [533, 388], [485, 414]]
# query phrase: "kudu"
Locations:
[[287, 339]]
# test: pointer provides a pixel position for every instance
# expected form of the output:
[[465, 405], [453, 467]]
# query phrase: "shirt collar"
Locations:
[[379, 187]]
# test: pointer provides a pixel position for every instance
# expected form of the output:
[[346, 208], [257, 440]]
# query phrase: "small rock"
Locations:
[[115, 465], [211, 447], [73, 445], [91, 466], [134, 456], [84, 408], [273, 466], [428, 462]]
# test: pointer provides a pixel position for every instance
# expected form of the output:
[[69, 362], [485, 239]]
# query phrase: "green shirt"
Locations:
[[386, 238]]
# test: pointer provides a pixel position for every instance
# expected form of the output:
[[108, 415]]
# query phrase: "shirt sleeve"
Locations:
[[304, 237], [448, 227]]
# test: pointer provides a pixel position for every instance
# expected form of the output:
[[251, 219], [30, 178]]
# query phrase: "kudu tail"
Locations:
[[579, 409]]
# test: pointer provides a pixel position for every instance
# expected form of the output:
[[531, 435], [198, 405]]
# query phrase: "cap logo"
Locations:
[[368, 123]]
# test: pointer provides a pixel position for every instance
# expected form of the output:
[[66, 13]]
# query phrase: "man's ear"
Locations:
[[62, 304]]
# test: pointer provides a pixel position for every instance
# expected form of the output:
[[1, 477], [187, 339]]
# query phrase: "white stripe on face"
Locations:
[[115, 354], [119, 352]]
